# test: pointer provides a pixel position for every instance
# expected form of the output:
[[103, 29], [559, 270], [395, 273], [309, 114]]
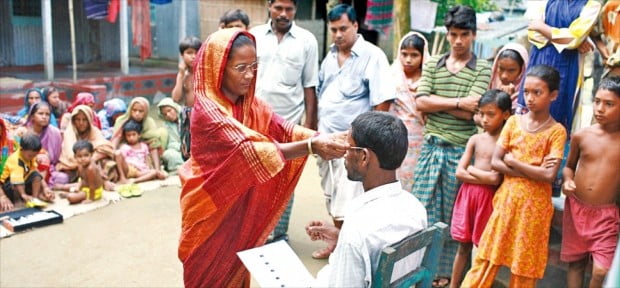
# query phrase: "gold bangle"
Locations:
[[310, 146]]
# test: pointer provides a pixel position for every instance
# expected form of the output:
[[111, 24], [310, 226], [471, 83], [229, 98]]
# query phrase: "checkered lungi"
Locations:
[[436, 186]]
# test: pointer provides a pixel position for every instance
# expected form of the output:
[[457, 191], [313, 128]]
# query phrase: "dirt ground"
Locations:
[[132, 243]]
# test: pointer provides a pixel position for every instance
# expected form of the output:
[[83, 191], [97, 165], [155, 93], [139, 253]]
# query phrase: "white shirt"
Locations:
[[363, 81], [286, 68], [374, 220]]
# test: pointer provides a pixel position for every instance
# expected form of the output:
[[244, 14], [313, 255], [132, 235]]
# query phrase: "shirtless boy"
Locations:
[[592, 187], [91, 183]]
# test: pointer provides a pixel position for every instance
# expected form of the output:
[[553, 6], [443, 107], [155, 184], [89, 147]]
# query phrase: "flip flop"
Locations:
[[322, 253], [136, 190], [125, 191]]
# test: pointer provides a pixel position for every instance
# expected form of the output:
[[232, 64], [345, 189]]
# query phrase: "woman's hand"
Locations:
[[330, 146]]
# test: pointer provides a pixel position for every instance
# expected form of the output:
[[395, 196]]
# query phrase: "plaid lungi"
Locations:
[[436, 186]]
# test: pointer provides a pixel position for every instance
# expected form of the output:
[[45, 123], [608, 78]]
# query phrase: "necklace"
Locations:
[[527, 125]]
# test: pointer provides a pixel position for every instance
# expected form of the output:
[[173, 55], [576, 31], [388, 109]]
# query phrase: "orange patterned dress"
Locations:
[[517, 233]]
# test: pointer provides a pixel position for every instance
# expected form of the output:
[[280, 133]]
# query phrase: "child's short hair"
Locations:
[[499, 97], [235, 15], [189, 42], [512, 54], [132, 125], [83, 144], [336, 13], [462, 17], [30, 142], [612, 84], [548, 74]]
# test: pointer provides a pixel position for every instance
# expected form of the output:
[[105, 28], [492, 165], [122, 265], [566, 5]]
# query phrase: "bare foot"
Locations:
[[109, 186], [161, 175]]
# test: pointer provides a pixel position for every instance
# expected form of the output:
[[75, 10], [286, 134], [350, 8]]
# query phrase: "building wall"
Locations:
[[212, 10]]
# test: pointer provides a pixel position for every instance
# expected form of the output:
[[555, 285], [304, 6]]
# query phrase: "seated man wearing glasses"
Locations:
[[384, 214]]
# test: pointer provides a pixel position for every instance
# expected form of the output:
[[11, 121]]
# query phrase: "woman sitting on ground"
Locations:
[[81, 127]]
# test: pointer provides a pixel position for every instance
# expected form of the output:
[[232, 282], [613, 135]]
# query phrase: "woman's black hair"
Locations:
[[511, 54], [548, 74], [413, 41], [36, 106], [499, 97], [240, 41], [81, 145]]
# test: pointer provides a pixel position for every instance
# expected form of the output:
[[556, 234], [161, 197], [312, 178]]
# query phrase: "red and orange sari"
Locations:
[[236, 183]]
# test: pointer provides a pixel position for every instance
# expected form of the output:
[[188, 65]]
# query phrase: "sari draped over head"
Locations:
[[174, 128], [151, 134], [24, 111], [397, 66], [236, 183], [82, 98], [51, 138], [496, 82], [67, 159]]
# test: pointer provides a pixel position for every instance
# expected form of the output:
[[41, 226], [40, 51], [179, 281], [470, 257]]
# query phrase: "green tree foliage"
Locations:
[[444, 5]]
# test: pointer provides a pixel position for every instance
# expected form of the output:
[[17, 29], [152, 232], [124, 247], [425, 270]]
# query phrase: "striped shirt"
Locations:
[[473, 79]]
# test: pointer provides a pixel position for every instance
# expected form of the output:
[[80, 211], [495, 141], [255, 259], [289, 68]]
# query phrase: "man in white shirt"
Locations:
[[383, 215], [354, 78], [287, 75]]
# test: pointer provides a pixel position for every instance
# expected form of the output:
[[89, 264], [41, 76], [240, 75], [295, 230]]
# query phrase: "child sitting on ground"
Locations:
[[592, 187], [474, 202], [133, 157], [20, 180], [90, 185]]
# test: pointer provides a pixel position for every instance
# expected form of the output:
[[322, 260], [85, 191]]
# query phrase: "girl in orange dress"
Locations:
[[528, 153]]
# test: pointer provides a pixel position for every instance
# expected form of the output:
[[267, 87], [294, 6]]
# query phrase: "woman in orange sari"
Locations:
[[245, 162]]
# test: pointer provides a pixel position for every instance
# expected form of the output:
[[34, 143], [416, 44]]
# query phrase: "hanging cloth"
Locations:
[[141, 27], [96, 9], [379, 15]]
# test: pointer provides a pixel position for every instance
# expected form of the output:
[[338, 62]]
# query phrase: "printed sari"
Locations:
[[236, 183], [95, 137]]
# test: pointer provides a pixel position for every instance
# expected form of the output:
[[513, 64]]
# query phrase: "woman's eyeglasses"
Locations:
[[244, 68]]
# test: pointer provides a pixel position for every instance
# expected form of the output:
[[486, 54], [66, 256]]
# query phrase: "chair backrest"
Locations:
[[432, 238]]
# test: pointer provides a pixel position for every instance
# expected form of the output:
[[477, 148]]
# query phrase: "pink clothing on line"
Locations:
[[589, 229], [472, 208]]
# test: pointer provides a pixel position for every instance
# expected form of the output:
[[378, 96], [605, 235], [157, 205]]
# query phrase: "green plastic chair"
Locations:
[[431, 238]]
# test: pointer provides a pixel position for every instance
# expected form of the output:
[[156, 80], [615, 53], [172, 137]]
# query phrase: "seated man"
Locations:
[[383, 215]]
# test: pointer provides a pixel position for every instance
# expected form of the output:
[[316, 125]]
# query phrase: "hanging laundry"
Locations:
[[161, 2], [379, 15], [113, 10], [96, 9], [141, 27]]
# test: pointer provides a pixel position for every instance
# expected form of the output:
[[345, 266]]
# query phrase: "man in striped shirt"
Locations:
[[448, 94]]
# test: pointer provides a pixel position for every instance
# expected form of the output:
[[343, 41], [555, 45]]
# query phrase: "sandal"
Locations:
[[441, 282], [136, 190], [125, 191], [322, 253]]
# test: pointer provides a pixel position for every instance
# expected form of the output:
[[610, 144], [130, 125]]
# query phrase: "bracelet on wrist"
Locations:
[[310, 146]]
